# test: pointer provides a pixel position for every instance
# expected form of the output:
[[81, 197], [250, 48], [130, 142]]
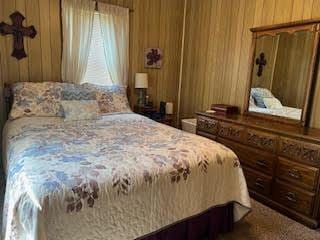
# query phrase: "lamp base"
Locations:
[[142, 97]]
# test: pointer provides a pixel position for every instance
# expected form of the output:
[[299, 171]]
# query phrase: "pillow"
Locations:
[[251, 102], [259, 94], [76, 92], [272, 103], [35, 99], [80, 110], [110, 98]]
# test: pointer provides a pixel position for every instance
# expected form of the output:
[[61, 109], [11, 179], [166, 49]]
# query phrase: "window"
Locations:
[[97, 71]]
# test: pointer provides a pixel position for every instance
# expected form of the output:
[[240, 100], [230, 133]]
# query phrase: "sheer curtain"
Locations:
[[77, 20], [114, 22]]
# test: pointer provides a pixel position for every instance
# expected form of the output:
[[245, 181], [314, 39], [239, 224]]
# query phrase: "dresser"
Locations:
[[280, 162]]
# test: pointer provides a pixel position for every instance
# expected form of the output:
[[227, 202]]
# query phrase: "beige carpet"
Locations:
[[264, 223]]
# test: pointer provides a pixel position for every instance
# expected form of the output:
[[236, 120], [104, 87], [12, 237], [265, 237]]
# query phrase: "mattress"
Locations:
[[288, 112], [121, 177]]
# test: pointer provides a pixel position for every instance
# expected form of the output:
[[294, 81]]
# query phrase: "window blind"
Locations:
[[97, 71]]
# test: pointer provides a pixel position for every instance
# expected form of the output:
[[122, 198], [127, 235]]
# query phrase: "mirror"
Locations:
[[282, 67]]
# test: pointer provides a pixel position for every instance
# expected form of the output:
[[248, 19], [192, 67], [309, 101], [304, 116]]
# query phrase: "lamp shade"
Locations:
[[141, 80]]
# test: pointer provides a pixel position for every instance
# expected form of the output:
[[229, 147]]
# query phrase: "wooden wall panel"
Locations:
[[44, 51], [219, 57]]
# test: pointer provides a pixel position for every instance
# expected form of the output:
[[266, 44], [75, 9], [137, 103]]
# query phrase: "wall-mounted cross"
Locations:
[[18, 31], [261, 61]]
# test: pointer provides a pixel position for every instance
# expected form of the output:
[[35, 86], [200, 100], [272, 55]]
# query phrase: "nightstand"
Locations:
[[151, 112], [147, 111]]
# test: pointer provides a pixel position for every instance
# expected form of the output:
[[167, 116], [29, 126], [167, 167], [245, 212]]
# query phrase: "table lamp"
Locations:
[[141, 83]]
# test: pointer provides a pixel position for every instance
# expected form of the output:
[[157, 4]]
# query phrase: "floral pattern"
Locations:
[[36, 99], [80, 110], [110, 98], [78, 165]]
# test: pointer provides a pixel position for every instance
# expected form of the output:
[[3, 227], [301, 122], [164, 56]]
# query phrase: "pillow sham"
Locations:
[[76, 92], [35, 99], [272, 103], [259, 94], [76, 110], [110, 98]]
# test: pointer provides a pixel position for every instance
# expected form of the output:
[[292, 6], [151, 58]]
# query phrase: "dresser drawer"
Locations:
[[264, 141], [254, 158], [304, 152], [207, 125], [299, 200], [298, 174], [258, 182], [231, 131]]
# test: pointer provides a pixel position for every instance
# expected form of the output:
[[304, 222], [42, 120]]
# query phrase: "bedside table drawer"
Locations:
[[298, 174], [231, 131], [207, 125], [301, 201], [258, 182]]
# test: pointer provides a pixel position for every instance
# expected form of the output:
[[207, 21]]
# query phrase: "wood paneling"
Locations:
[[153, 23], [217, 45], [44, 51]]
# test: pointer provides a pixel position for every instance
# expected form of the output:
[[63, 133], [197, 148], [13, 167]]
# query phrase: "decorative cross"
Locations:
[[18, 31], [261, 61]]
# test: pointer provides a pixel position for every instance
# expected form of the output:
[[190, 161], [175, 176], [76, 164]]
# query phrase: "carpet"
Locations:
[[264, 223]]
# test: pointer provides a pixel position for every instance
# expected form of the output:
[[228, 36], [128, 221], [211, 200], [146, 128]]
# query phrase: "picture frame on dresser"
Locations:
[[311, 27]]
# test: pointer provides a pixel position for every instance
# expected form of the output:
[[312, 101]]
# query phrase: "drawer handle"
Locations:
[[261, 163], [291, 197], [294, 173], [259, 183]]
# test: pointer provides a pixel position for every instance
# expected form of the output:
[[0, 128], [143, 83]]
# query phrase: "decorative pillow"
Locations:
[[35, 99], [76, 92], [272, 103], [251, 102], [80, 110], [110, 98], [259, 94]]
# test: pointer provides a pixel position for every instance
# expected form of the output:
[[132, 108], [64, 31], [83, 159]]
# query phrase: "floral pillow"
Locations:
[[110, 98], [75, 110], [36, 99], [259, 94]]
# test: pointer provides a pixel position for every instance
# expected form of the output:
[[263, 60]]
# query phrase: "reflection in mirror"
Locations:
[[280, 74]]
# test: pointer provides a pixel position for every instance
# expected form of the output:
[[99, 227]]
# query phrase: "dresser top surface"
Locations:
[[311, 134]]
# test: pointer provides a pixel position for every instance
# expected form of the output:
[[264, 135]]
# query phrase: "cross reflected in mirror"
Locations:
[[19, 32], [261, 62]]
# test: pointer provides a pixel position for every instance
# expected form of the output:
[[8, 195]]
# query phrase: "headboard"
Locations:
[[8, 98]]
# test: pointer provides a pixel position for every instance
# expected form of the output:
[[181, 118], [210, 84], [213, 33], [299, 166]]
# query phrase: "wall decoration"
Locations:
[[18, 31], [153, 58]]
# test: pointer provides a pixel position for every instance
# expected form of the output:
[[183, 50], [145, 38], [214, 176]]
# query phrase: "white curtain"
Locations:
[[77, 20], [114, 22]]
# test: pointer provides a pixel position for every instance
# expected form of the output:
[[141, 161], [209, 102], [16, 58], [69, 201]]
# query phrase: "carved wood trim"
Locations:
[[300, 151], [207, 125], [262, 141]]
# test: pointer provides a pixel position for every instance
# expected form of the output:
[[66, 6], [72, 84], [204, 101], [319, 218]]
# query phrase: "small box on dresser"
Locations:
[[281, 162]]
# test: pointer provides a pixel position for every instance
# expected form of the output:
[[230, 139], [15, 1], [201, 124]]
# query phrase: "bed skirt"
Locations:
[[207, 225]]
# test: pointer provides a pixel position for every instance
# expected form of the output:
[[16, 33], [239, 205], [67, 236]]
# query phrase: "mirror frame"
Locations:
[[312, 25]]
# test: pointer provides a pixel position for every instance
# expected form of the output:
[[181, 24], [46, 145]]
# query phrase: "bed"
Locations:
[[284, 111], [119, 177]]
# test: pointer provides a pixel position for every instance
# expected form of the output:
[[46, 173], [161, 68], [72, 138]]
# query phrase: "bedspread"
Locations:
[[120, 177]]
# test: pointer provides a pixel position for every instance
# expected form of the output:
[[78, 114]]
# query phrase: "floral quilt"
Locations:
[[120, 177]]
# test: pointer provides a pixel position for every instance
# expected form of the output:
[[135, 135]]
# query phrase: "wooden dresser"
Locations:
[[281, 162]]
